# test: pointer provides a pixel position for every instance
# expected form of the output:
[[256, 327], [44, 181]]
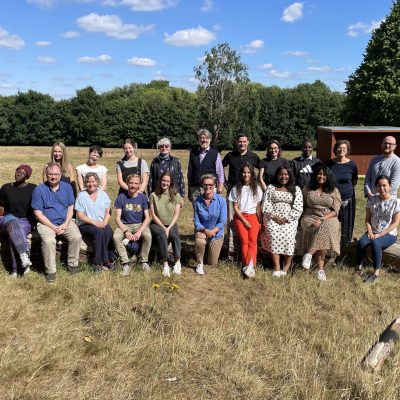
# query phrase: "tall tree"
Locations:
[[373, 90], [219, 90]]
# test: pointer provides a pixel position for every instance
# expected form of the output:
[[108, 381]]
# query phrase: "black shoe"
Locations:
[[97, 269], [72, 269], [371, 279], [50, 278]]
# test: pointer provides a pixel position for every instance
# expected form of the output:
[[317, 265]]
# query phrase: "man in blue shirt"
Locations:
[[53, 206]]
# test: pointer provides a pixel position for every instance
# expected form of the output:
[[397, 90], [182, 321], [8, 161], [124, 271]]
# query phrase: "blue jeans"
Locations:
[[377, 245]]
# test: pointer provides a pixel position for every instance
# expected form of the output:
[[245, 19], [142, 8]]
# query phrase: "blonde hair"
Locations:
[[64, 163]]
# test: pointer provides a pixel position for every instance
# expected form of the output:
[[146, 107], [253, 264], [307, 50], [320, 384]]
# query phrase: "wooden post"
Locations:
[[379, 352]]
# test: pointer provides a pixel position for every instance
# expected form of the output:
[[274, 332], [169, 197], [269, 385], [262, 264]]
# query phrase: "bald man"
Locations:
[[386, 163]]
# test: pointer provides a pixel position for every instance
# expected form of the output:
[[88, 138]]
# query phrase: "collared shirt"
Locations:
[[212, 216]]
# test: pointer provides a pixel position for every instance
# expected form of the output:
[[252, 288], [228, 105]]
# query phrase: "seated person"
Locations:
[[92, 208], [133, 219], [16, 217], [165, 206], [209, 221]]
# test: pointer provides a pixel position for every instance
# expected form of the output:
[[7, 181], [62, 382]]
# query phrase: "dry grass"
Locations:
[[109, 337]]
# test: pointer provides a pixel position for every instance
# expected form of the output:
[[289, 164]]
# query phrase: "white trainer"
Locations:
[[306, 263], [200, 269], [126, 270], [177, 268], [321, 276], [166, 271], [276, 274], [283, 273], [25, 261]]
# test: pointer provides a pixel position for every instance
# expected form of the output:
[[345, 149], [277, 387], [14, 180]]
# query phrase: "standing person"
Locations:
[[133, 219], [203, 160], [385, 164], [131, 164], [166, 162], [165, 206], [91, 165], [270, 164], [282, 208], [246, 197], [319, 231], [235, 160], [209, 223], [346, 175], [59, 156], [92, 208], [53, 206], [16, 217], [301, 166], [382, 219]]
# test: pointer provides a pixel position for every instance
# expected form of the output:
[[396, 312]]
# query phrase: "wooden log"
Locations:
[[380, 351]]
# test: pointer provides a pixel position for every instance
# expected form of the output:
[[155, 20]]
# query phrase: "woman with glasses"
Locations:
[[209, 221], [166, 162], [16, 217]]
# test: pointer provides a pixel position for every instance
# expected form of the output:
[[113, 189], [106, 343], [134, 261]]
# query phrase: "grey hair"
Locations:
[[164, 141], [208, 176], [89, 175], [203, 131]]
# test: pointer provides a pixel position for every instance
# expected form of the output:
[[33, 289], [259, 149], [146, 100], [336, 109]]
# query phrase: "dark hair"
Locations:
[[330, 183], [96, 148], [339, 143], [290, 186], [273, 141], [239, 135], [380, 177], [306, 140], [253, 180], [172, 189], [132, 143]]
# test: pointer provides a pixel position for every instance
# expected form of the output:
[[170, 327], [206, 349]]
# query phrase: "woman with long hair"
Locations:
[[320, 227], [246, 197], [282, 208], [165, 207], [131, 164]]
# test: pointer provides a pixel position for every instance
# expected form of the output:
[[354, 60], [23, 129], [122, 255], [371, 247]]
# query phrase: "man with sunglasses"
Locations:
[[387, 164]]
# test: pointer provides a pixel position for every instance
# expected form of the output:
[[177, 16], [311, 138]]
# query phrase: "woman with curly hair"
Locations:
[[246, 197], [320, 227], [282, 208]]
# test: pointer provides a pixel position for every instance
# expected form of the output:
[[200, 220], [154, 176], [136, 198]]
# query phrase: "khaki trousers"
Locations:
[[214, 249]]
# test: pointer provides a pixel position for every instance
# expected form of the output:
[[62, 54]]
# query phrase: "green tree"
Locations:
[[219, 91], [373, 90]]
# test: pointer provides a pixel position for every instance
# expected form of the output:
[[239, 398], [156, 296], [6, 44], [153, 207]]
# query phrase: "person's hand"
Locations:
[[167, 232], [129, 235], [279, 220], [317, 223], [247, 224], [136, 236]]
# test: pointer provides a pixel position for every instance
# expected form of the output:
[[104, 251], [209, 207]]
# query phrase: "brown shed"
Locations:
[[365, 142]]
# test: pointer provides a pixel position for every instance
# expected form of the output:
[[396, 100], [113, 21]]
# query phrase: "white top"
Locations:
[[382, 212], [100, 170], [247, 202], [93, 209], [130, 164]]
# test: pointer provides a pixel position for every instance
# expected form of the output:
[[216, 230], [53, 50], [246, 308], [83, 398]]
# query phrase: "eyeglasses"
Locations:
[[163, 146], [56, 174], [207, 185], [389, 144]]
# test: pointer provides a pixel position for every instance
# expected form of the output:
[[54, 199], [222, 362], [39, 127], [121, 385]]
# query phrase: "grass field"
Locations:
[[191, 337]]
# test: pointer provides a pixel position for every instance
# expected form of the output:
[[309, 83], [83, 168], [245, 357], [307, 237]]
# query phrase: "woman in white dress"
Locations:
[[282, 208]]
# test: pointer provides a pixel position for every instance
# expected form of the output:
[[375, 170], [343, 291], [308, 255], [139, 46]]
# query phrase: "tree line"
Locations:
[[147, 112]]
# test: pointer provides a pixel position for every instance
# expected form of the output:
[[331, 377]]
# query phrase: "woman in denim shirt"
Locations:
[[209, 222]]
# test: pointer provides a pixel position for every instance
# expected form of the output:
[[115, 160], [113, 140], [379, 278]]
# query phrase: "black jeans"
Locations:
[[163, 241]]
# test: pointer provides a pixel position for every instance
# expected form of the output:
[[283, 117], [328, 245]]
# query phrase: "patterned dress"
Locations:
[[327, 235], [281, 238]]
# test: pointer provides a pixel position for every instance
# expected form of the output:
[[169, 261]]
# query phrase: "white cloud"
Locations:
[[142, 5], [190, 37], [201, 59], [43, 3], [70, 34], [293, 12], [274, 73], [10, 41], [6, 86], [253, 46], [85, 78], [297, 53], [362, 27], [207, 6], [158, 76], [265, 66], [112, 26], [325, 69], [42, 43], [46, 60], [99, 59], [141, 62]]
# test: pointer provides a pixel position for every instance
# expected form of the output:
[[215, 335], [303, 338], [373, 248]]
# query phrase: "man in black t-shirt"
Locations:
[[235, 160]]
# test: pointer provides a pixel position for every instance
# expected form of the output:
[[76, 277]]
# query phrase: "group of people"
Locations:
[[300, 207]]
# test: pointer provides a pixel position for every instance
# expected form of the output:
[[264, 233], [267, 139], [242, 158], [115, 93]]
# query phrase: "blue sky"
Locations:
[[60, 46]]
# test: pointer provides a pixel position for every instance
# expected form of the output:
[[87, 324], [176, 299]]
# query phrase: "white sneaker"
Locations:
[[166, 271], [177, 268], [126, 270], [321, 276], [283, 273], [306, 263], [25, 261], [125, 242], [145, 266], [14, 275], [27, 270], [276, 274], [249, 271], [200, 269]]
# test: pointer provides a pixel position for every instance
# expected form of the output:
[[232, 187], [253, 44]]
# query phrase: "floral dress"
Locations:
[[327, 235], [281, 238]]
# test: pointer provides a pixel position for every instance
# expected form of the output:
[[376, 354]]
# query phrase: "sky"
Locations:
[[60, 46]]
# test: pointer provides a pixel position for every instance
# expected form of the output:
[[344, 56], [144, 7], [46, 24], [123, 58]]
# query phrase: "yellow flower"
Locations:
[[156, 286], [174, 286]]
